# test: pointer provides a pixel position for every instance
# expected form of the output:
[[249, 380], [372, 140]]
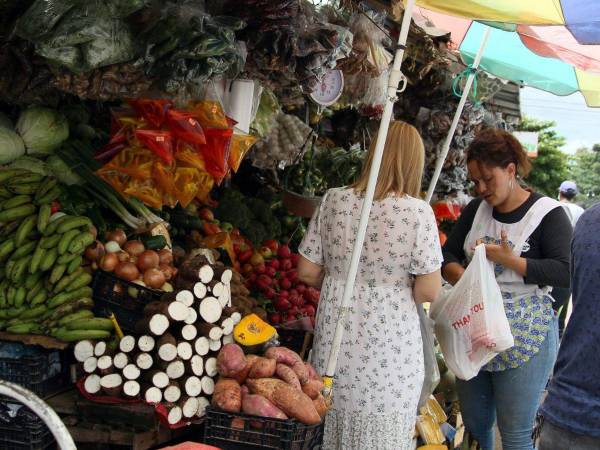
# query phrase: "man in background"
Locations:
[[571, 411], [567, 193]]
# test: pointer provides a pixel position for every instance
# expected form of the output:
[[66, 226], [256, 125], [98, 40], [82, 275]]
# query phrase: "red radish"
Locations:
[[274, 263], [275, 318], [269, 293], [260, 268], [270, 272], [285, 284], [284, 251], [295, 259], [293, 312], [282, 305], [300, 288], [263, 282], [283, 294], [292, 275], [286, 264], [252, 278], [309, 310], [293, 292], [296, 300]]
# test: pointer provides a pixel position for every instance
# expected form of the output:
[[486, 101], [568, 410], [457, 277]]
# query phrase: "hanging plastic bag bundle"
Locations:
[[470, 322]]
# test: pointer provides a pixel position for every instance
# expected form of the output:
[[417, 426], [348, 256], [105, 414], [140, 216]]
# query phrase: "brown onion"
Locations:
[[118, 289], [166, 270], [134, 248], [94, 251], [108, 262], [117, 235], [148, 260], [154, 278], [165, 256], [94, 231], [127, 271], [123, 256]]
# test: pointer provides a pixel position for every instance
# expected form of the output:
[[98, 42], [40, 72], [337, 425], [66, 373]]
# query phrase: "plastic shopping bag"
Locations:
[[470, 322]]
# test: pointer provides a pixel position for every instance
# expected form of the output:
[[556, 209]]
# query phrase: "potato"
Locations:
[[312, 388], [231, 361], [321, 405], [283, 355], [227, 395], [288, 375], [263, 368], [257, 405], [296, 404], [264, 386]]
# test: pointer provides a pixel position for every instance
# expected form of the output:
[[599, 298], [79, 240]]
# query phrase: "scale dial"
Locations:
[[329, 90]]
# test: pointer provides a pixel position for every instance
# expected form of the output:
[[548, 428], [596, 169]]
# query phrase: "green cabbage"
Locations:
[[42, 129], [11, 146]]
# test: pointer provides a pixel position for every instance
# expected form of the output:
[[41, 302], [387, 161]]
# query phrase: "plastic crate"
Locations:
[[259, 432], [40, 370], [299, 341], [22, 429], [112, 295]]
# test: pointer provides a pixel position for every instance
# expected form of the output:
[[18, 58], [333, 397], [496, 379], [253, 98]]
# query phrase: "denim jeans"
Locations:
[[557, 438], [511, 396]]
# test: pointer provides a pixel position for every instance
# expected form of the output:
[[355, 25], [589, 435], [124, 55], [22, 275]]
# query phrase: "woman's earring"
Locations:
[[511, 185]]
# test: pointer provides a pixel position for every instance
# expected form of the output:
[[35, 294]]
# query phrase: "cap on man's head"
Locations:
[[568, 187]]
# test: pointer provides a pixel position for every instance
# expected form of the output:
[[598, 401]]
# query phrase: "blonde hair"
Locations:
[[402, 163]]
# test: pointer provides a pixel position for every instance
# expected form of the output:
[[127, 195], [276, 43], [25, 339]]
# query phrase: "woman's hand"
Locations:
[[503, 254], [310, 273], [452, 272]]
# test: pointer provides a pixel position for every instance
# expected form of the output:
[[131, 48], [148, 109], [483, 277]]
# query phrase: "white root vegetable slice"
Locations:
[[167, 352], [159, 323], [83, 350], [189, 407], [146, 343], [226, 277], [186, 297], [175, 370], [185, 350], [92, 384], [203, 403], [228, 339], [236, 317], [210, 309], [196, 365], [172, 393], [193, 386], [90, 364], [206, 274], [192, 316], [144, 361], [224, 300], [210, 367], [175, 415], [189, 332], [127, 344], [99, 349], [214, 345], [153, 395], [208, 385], [210, 330], [112, 384], [131, 372], [105, 363], [120, 360], [160, 380], [217, 289], [178, 311], [131, 388], [227, 325], [202, 346], [200, 290]]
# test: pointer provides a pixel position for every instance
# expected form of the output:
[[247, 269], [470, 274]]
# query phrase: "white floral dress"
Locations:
[[380, 367]]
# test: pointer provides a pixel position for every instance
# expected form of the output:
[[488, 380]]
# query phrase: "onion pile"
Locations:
[[132, 262]]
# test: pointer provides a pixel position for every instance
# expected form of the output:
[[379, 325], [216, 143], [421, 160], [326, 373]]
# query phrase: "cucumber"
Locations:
[[20, 296], [24, 188], [66, 280], [25, 328], [82, 280], [40, 298], [57, 272], [7, 174], [82, 314], [24, 229], [154, 242], [66, 258], [18, 212], [65, 335], [74, 222], [74, 265], [34, 312], [43, 217], [64, 297], [49, 259], [18, 272], [32, 280], [50, 241], [17, 200], [97, 323], [36, 259], [6, 248], [23, 250], [65, 241]]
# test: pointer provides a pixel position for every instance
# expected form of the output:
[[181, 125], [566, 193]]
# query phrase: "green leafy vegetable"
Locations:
[[11, 146], [42, 129]]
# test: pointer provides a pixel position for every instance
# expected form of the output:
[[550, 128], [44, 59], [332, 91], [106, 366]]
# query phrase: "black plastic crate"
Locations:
[[112, 295], [299, 341], [253, 432], [22, 429], [42, 371]]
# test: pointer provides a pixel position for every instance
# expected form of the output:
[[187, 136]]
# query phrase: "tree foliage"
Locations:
[[585, 171], [550, 167]]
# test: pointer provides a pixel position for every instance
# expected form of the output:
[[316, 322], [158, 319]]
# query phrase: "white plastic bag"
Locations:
[[470, 322]]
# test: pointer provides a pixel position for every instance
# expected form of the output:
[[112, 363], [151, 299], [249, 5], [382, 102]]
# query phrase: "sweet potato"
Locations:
[[312, 388], [295, 403], [301, 372], [231, 361], [320, 405], [312, 372], [227, 395], [257, 405], [264, 386], [245, 391], [288, 375], [283, 355], [262, 368]]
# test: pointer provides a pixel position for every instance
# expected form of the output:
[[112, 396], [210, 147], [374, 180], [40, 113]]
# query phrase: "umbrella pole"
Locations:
[[393, 83], [461, 104]]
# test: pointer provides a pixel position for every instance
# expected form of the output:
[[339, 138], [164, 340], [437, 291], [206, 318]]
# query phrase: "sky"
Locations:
[[579, 124]]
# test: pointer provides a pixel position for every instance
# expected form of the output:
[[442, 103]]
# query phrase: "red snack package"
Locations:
[[185, 126], [160, 142], [154, 111], [216, 152]]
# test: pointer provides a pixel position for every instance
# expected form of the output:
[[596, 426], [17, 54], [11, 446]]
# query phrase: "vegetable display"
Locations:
[[44, 289]]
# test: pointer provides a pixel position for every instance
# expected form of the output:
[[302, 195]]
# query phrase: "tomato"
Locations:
[[206, 214], [272, 244], [266, 252], [210, 228], [257, 259], [55, 207]]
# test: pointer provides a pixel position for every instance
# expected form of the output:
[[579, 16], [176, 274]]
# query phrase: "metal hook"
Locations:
[[403, 83]]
